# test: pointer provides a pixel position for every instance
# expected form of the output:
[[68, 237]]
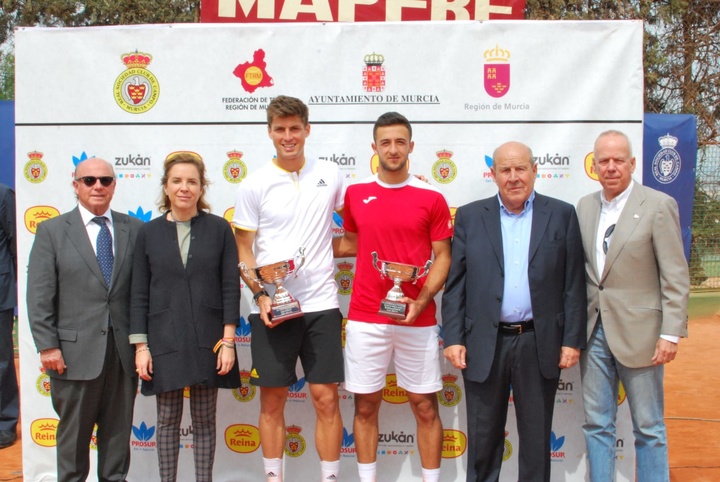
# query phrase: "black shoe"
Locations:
[[7, 438]]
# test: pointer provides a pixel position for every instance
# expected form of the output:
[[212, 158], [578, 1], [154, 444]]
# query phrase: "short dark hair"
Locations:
[[391, 119], [285, 106]]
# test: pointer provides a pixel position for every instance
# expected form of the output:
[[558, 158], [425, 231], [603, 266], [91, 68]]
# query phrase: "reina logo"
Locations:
[[556, 444], [35, 169], [242, 438], [143, 435], [253, 75], [375, 164], [621, 393], [348, 443], [136, 90], [343, 332], [294, 442], [228, 215], [44, 431], [234, 170], [589, 164], [37, 214], [345, 277], [392, 393], [454, 444], [373, 76], [497, 71]]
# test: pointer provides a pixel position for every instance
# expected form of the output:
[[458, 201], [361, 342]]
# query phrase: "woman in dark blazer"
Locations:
[[185, 309]]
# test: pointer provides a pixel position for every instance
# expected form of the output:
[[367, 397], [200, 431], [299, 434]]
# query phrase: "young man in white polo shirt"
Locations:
[[285, 205]]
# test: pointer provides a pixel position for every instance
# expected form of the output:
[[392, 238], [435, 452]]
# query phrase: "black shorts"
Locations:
[[315, 338]]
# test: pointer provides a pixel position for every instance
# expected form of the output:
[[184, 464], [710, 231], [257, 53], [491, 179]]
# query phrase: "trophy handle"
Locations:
[[375, 264], [301, 257], [425, 270], [246, 272]]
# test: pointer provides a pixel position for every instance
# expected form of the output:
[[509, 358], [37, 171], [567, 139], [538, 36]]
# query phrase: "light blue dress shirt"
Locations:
[[516, 228]]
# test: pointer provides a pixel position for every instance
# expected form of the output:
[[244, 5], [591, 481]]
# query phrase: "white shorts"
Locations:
[[369, 347]]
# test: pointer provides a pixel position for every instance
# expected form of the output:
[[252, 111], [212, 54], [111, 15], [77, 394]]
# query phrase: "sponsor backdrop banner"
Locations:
[[213, 11], [670, 156], [135, 94]]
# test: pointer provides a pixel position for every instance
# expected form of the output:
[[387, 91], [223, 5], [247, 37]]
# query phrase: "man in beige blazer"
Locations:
[[637, 287]]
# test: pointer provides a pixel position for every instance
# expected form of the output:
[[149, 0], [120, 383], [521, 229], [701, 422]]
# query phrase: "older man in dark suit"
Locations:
[[514, 313], [79, 313], [9, 403]]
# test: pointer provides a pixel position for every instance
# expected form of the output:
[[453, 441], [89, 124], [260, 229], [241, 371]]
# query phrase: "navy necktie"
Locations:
[[104, 249]]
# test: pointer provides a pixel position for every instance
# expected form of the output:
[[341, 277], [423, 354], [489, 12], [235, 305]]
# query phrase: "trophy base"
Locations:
[[393, 309], [285, 311]]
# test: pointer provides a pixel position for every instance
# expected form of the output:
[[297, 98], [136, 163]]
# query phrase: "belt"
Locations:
[[517, 328]]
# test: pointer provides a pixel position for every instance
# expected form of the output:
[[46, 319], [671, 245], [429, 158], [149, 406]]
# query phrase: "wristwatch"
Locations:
[[257, 295]]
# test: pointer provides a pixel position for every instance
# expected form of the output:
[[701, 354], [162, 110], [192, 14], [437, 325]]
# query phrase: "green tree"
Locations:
[[681, 51], [682, 76], [7, 76]]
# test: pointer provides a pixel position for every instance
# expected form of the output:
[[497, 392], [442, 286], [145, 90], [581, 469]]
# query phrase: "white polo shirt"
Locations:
[[290, 210]]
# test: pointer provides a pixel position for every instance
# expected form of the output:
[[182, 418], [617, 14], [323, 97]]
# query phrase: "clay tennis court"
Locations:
[[692, 407]]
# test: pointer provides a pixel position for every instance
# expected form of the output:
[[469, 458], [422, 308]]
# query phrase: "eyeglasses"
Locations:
[[90, 181], [606, 238]]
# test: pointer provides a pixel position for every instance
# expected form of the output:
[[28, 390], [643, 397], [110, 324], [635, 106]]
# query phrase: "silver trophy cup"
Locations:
[[398, 272], [284, 306]]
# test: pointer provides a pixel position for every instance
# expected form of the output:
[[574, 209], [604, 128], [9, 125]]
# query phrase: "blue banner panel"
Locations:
[[669, 160], [7, 142]]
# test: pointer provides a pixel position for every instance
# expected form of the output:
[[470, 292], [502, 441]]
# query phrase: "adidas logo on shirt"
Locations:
[[331, 477], [321, 183]]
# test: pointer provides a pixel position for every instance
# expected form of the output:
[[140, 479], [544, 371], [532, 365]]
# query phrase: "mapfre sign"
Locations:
[[214, 11]]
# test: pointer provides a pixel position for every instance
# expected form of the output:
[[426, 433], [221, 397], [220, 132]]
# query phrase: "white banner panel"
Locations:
[[134, 94]]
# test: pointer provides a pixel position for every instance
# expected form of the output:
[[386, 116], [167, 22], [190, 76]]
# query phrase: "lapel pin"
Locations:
[[636, 216]]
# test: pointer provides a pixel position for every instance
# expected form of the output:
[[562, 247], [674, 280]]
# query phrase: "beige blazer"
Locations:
[[643, 290]]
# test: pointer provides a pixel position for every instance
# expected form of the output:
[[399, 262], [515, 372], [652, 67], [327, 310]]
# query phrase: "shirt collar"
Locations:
[[87, 216], [526, 206], [618, 200]]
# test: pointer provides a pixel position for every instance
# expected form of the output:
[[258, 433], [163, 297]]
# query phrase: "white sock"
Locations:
[[367, 472], [329, 470], [273, 469], [431, 475]]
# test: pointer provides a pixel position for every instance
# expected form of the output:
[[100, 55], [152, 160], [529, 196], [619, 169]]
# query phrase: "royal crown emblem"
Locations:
[[345, 277], [35, 169], [450, 395], [374, 73], [444, 169], [235, 170], [136, 90], [666, 164], [294, 442], [497, 71]]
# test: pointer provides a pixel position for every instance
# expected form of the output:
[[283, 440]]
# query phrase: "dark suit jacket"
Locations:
[[8, 249], [474, 288], [68, 300], [183, 309]]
